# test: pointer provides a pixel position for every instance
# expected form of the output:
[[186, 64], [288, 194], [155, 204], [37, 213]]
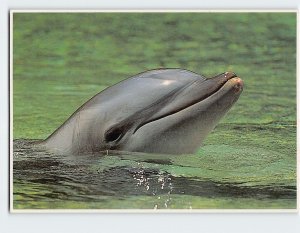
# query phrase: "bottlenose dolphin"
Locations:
[[168, 111]]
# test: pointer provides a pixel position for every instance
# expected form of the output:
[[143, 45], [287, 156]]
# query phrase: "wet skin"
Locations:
[[167, 111]]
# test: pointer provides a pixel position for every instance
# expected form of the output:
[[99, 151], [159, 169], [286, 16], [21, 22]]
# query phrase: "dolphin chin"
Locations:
[[167, 111]]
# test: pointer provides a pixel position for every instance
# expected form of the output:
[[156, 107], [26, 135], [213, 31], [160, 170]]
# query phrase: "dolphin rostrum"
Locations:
[[167, 111]]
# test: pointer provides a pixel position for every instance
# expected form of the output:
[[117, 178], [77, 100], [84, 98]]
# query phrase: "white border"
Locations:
[[12, 210], [11, 115], [150, 11]]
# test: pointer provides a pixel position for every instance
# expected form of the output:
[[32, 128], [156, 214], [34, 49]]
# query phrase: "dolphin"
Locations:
[[165, 111]]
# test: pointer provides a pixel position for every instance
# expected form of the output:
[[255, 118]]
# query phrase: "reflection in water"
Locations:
[[42, 176]]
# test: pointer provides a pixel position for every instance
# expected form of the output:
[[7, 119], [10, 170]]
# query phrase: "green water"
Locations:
[[249, 160]]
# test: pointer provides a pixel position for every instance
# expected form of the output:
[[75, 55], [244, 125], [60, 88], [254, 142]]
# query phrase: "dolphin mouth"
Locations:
[[215, 84]]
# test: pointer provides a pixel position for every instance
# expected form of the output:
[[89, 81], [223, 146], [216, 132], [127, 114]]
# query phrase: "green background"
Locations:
[[60, 60]]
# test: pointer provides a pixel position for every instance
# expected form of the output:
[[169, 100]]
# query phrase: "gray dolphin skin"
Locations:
[[167, 111]]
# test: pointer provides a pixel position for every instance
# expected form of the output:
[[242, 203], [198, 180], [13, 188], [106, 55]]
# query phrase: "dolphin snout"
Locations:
[[230, 74], [237, 84]]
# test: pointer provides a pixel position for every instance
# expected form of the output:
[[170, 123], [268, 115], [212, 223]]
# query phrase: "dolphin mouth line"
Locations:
[[196, 101]]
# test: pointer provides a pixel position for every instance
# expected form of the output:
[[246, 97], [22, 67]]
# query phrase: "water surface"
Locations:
[[135, 180]]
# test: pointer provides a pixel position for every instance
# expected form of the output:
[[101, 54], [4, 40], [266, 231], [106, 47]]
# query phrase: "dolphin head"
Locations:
[[159, 111]]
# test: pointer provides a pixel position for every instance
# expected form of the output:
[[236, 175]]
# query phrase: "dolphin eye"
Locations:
[[113, 135]]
